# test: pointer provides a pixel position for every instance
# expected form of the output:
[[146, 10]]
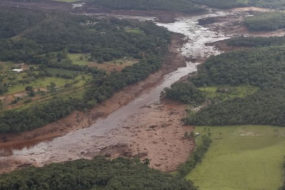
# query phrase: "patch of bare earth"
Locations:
[[157, 134]]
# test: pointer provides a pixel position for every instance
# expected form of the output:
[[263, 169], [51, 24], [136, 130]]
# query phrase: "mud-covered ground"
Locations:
[[157, 134]]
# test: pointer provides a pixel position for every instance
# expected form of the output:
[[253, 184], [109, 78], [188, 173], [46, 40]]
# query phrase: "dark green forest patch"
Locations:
[[266, 21], [90, 175], [167, 5], [241, 87]]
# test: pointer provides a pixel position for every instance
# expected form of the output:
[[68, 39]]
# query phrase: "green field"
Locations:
[[228, 92], [241, 158], [78, 58]]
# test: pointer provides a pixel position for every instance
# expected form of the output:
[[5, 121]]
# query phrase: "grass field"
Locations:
[[226, 93], [114, 65], [41, 83], [241, 158], [78, 58]]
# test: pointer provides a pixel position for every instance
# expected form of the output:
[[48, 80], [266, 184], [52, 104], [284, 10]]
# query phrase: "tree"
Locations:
[[51, 87], [30, 91]]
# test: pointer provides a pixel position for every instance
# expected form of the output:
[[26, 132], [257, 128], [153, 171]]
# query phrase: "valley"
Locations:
[[153, 90]]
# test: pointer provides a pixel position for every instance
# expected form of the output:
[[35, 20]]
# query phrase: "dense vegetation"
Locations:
[[265, 107], [185, 93], [224, 4], [263, 68], [266, 21], [45, 43], [255, 41], [169, 5], [90, 175], [196, 157], [188, 6], [258, 77]]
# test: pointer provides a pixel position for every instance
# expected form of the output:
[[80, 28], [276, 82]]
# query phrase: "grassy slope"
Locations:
[[233, 92], [242, 158], [114, 65]]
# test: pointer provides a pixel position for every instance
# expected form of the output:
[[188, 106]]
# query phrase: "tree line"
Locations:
[[185, 92], [99, 173], [195, 157], [250, 42], [167, 5], [266, 21]]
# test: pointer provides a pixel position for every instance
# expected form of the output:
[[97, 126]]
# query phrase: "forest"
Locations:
[[44, 42], [261, 68], [188, 6], [249, 42], [225, 4], [99, 173], [266, 21], [167, 5], [196, 157], [185, 93]]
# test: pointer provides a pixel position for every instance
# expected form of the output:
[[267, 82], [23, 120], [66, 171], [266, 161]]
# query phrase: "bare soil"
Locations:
[[157, 134]]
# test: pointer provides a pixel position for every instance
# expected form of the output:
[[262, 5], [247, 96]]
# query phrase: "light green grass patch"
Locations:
[[78, 58], [225, 93], [241, 158], [40, 83], [133, 30]]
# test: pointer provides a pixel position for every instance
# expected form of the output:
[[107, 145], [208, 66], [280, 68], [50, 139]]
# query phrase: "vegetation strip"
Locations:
[[283, 187], [196, 157], [266, 21], [98, 173]]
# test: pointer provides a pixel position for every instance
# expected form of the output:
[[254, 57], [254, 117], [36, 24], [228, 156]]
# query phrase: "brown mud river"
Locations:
[[139, 125]]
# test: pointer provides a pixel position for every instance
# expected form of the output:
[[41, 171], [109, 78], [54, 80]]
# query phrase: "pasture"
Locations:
[[241, 158]]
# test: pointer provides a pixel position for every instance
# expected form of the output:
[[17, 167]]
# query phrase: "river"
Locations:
[[76, 144]]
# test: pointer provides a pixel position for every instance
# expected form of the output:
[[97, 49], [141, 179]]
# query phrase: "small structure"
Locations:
[[197, 134], [18, 70]]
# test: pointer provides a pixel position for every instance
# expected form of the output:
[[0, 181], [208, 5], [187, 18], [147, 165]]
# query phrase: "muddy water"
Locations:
[[85, 143]]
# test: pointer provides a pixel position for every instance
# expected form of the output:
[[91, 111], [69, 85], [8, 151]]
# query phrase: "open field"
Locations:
[[66, 83], [228, 92], [108, 66], [241, 158]]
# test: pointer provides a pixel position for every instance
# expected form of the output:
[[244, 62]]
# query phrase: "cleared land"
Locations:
[[241, 158], [108, 66], [224, 93]]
